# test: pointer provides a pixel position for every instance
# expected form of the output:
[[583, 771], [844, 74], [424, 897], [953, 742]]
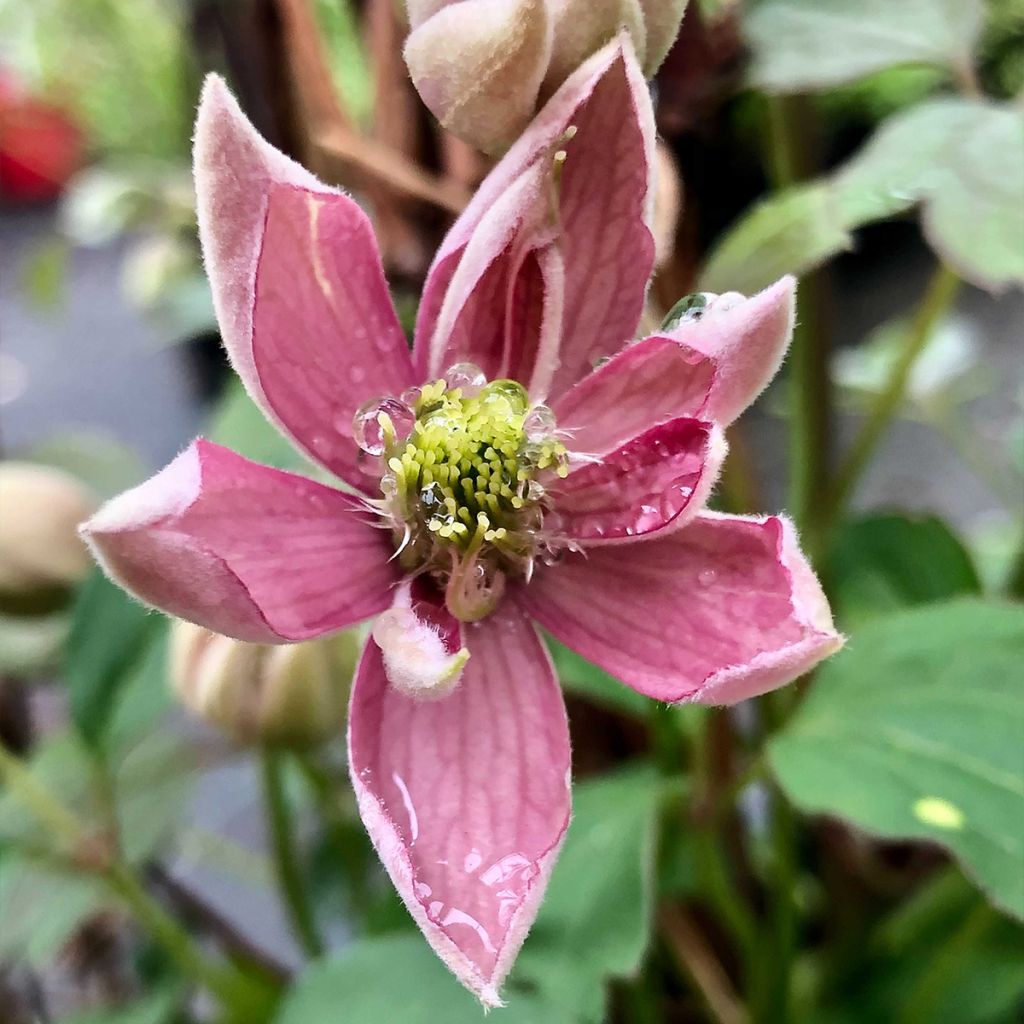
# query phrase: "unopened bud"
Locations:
[[484, 67], [40, 550], [294, 695]]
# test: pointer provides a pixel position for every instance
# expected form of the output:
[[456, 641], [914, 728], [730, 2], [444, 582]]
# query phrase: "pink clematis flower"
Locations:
[[526, 463]]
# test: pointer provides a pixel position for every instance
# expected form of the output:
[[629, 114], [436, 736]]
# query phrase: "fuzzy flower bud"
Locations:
[[484, 67], [293, 695], [40, 550]]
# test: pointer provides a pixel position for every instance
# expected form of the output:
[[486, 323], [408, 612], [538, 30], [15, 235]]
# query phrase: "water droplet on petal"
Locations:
[[410, 396], [467, 376], [706, 577]]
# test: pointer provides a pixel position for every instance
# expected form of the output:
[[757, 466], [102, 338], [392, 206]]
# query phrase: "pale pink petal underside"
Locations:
[[656, 481], [245, 550], [236, 173], [467, 798], [724, 609], [747, 341], [647, 383]]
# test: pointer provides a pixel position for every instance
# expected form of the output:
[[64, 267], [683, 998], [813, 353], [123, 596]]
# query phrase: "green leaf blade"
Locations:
[[914, 732]]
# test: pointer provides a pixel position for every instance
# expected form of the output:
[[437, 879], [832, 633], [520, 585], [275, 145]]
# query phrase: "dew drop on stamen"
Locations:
[[466, 376], [366, 427], [539, 424]]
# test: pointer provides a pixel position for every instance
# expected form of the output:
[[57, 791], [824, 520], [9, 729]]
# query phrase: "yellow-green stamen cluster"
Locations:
[[463, 476], [467, 471]]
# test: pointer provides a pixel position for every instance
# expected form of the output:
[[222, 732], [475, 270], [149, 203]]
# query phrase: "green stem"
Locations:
[[242, 1000], [711, 853], [346, 836], [286, 863], [790, 121], [934, 305], [772, 996]]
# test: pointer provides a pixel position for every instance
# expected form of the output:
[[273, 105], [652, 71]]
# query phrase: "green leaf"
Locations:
[[399, 979], [791, 232], [579, 676], [110, 633], [938, 154], [40, 907], [801, 45], [62, 765], [144, 695], [240, 425], [943, 957], [595, 920], [914, 731], [885, 562], [942, 153], [149, 784]]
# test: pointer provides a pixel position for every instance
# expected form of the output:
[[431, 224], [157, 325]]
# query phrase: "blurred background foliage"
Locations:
[[850, 850]]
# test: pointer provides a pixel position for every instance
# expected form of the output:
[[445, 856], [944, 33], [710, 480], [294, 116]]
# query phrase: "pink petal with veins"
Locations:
[[596, 217], [724, 609], [605, 205], [325, 334], [467, 798], [323, 309], [245, 550], [647, 383], [747, 342], [656, 481]]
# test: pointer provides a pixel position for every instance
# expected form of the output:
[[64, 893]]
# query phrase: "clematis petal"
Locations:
[[747, 340], [658, 480], [647, 383], [601, 204], [467, 798], [724, 609], [245, 550], [298, 287]]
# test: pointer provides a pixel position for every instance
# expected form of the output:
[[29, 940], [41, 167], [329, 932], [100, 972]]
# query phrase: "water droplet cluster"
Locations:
[[463, 467]]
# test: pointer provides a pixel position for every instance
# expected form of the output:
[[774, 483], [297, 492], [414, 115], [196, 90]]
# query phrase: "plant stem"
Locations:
[[711, 853], [781, 928], [289, 875], [346, 838], [241, 997], [698, 962], [934, 305], [244, 1001], [789, 161]]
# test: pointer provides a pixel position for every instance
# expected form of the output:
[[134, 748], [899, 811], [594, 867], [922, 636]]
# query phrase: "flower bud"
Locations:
[[484, 67], [40, 550], [293, 695]]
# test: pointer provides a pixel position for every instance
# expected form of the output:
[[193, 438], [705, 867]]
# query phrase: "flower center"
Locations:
[[464, 462]]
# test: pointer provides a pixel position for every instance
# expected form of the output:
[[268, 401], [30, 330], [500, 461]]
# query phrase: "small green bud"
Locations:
[[293, 695]]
